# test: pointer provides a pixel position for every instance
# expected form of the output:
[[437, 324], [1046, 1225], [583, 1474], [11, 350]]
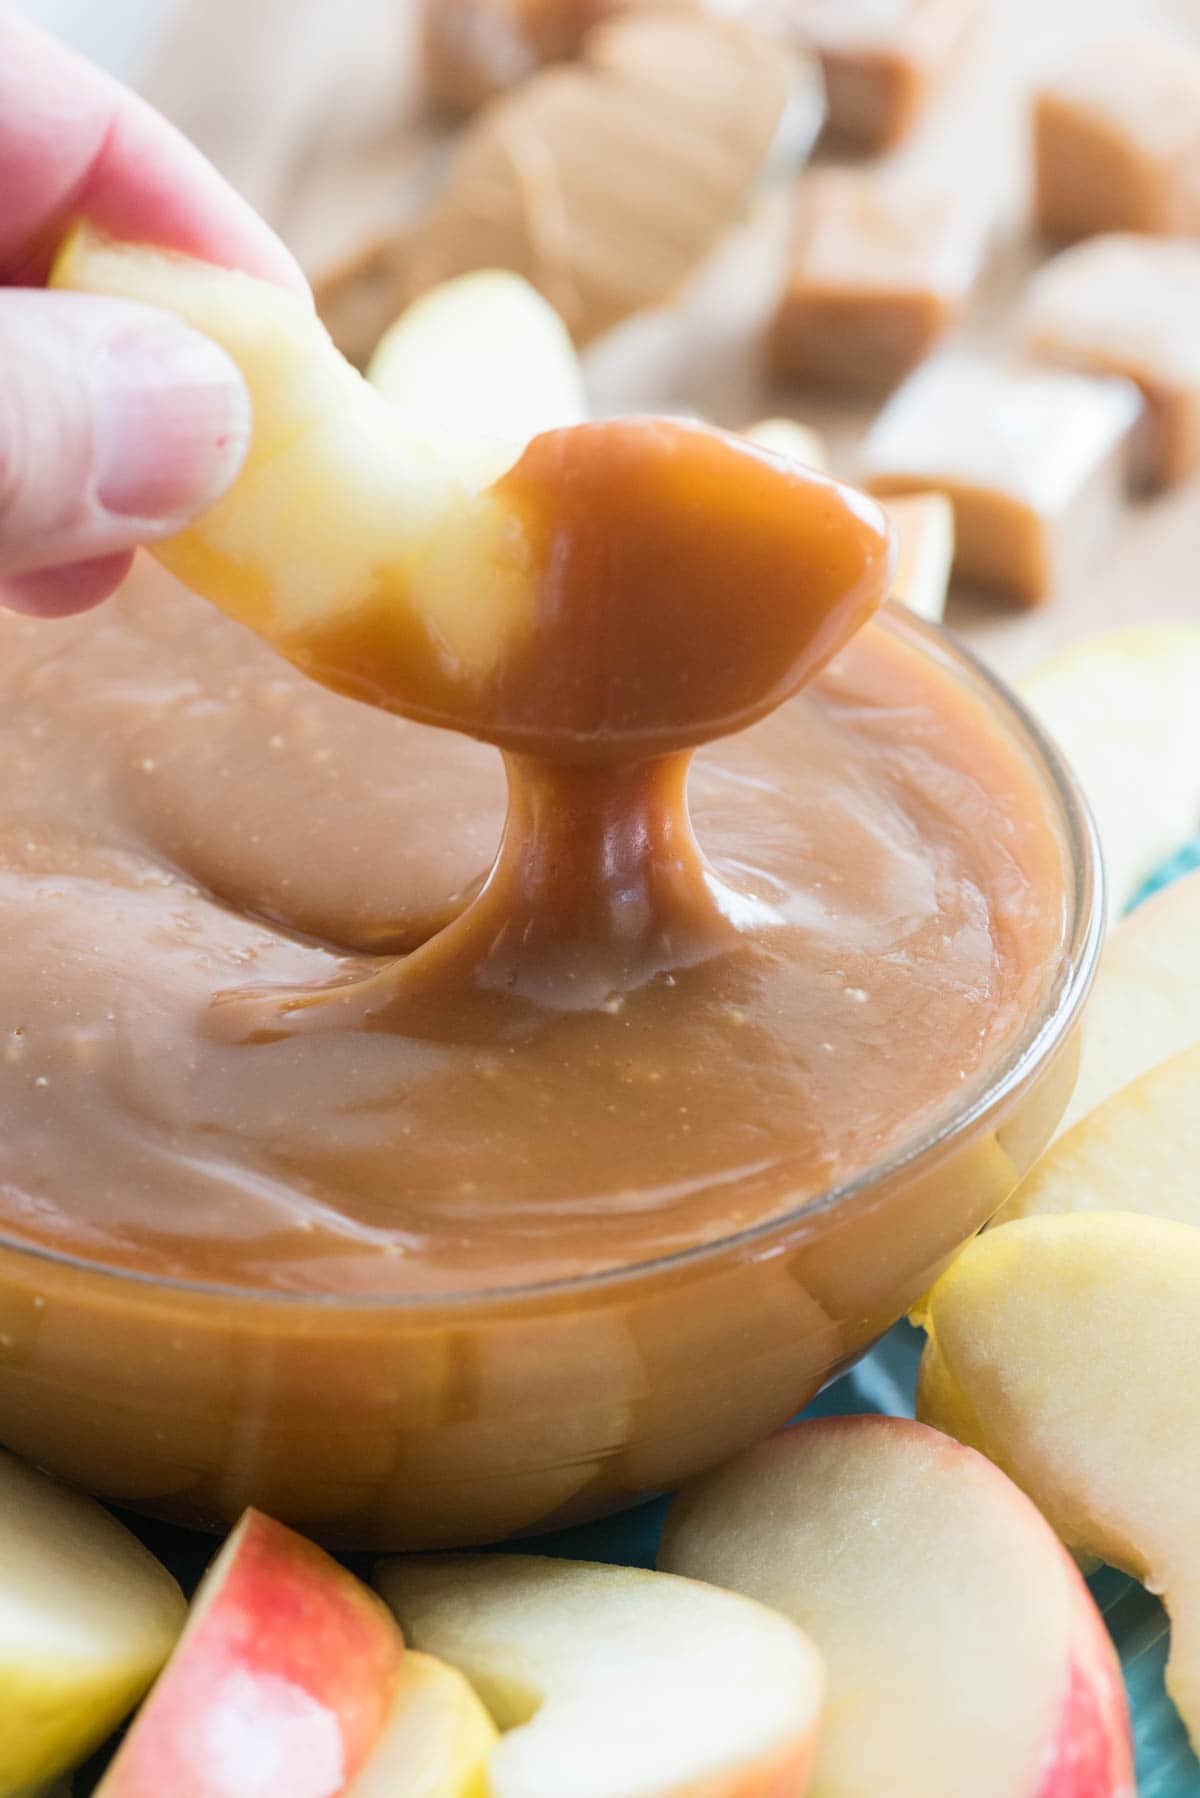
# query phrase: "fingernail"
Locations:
[[171, 423]]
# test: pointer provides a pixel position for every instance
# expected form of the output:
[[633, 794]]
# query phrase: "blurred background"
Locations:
[[122, 35], [323, 116]]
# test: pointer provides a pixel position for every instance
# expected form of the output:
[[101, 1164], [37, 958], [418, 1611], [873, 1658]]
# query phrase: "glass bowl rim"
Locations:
[[1079, 956]]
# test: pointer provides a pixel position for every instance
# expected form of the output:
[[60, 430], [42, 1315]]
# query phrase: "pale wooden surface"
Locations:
[[311, 109]]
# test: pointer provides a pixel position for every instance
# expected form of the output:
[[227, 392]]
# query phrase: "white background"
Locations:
[[121, 35]]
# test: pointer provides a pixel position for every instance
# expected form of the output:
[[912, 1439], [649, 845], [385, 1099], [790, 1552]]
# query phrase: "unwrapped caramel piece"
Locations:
[[883, 60], [881, 266], [1130, 305], [1033, 460], [606, 182], [475, 49], [1116, 139]]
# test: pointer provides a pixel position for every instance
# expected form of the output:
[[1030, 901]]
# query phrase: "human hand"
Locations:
[[117, 422]]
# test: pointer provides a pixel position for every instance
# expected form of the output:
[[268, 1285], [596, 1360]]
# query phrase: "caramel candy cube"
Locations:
[[474, 49], [883, 60], [1032, 459], [924, 525], [1116, 139], [1130, 305], [880, 268]]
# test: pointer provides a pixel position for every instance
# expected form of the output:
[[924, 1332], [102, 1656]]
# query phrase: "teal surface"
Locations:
[[885, 1381]]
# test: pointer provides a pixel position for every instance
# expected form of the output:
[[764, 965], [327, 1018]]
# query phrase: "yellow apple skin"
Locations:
[[437, 1741], [1145, 1005], [611, 1682], [1138, 1151], [963, 1651], [1068, 1348], [87, 1618]]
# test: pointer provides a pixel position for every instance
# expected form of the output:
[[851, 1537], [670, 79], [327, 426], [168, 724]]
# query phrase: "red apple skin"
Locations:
[[280, 1685], [1092, 1753]]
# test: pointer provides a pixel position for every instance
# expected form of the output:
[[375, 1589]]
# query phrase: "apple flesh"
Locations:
[[1138, 1151], [1069, 1347], [87, 1618], [280, 1687], [1122, 708], [612, 1682], [1146, 1002], [368, 552], [436, 1742], [963, 1652], [483, 362], [337, 498]]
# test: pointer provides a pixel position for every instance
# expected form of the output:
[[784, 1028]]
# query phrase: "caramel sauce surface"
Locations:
[[869, 898]]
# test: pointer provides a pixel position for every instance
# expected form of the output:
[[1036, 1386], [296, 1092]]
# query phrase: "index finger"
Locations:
[[74, 143]]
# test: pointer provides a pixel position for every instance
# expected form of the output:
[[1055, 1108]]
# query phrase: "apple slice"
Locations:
[[87, 1618], [1146, 1002], [484, 362], [1122, 707], [281, 1684], [1139, 1151], [337, 500], [370, 555], [963, 1651], [617, 1683], [437, 1739], [1070, 1348]]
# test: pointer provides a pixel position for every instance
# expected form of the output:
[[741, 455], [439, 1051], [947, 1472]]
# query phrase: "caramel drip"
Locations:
[[686, 583]]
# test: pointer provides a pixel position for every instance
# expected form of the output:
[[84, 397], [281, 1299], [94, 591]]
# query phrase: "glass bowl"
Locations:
[[448, 1421]]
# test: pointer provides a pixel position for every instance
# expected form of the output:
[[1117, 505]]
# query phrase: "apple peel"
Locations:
[[280, 1686]]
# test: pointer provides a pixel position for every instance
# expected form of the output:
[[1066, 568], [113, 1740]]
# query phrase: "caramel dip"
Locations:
[[427, 1165], [645, 1035]]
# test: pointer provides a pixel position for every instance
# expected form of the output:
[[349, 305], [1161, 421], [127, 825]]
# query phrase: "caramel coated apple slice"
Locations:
[[338, 503], [624, 592], [483, 360], [627, 588]]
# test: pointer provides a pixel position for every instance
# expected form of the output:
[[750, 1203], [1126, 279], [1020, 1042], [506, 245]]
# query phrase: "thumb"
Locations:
[[117, 425]]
